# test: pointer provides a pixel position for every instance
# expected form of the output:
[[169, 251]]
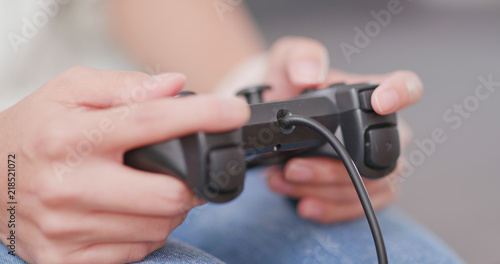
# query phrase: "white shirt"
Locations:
[[42, 38]]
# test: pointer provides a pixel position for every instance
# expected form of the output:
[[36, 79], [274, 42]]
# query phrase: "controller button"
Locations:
[[226, 169], [253, 94], [365, 100], [381, 147]]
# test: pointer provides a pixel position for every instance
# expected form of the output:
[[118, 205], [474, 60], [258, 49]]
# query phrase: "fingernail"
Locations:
[[412, 87], [312, 211], [299, 172], [387, 101], [306, 72]]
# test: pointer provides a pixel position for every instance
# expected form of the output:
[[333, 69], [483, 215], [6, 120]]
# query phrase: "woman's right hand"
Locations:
[[76, 201]]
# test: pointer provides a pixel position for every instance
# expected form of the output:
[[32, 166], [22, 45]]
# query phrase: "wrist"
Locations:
[[3, 171]]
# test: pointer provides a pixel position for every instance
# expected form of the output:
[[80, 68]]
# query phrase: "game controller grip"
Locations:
[[371, 139], [212, 165]]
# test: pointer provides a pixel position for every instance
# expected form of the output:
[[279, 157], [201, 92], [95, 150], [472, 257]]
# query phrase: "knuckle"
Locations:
[[51, 227], [69, 79], [145, 117], [73, 74], [51, 195], [52, 139], [130, 78], [47, 194]]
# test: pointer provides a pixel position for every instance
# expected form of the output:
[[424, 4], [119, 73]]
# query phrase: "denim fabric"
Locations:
[[173, 252], [263, 227]]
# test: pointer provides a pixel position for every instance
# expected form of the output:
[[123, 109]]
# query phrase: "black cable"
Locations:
[[288, 121]]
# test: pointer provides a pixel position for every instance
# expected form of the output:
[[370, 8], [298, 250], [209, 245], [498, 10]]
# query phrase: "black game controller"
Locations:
[[214, 165]]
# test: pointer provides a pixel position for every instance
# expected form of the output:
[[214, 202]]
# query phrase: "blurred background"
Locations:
[[452, 45]]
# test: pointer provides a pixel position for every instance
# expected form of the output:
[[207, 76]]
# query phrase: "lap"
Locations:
[[262, 227], [173, 252]]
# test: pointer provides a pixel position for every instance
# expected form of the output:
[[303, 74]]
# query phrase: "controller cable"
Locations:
[[287, 121]]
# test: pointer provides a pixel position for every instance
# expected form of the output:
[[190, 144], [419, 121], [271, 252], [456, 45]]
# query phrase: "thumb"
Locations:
[[92, 88], [398, 90], [295, 64]]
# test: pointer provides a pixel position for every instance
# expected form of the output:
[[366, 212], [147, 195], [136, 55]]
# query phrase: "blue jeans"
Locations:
[[263, 227]]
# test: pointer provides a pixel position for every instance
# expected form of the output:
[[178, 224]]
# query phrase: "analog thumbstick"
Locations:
[[253, 94]]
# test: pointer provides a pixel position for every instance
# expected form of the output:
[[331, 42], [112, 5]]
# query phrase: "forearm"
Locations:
[[186, 36]]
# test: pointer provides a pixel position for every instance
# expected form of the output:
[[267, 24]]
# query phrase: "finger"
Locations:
[[331, 192], [398, 90], [322, 211], [114, 252], [92, 88], [119, 189], [338, 76], [146, 123], [295, 63], [175, 117], [105, 227], [323, 170], [319, 170]]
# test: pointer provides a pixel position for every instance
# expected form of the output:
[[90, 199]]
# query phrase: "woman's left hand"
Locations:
[[322, 185]]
